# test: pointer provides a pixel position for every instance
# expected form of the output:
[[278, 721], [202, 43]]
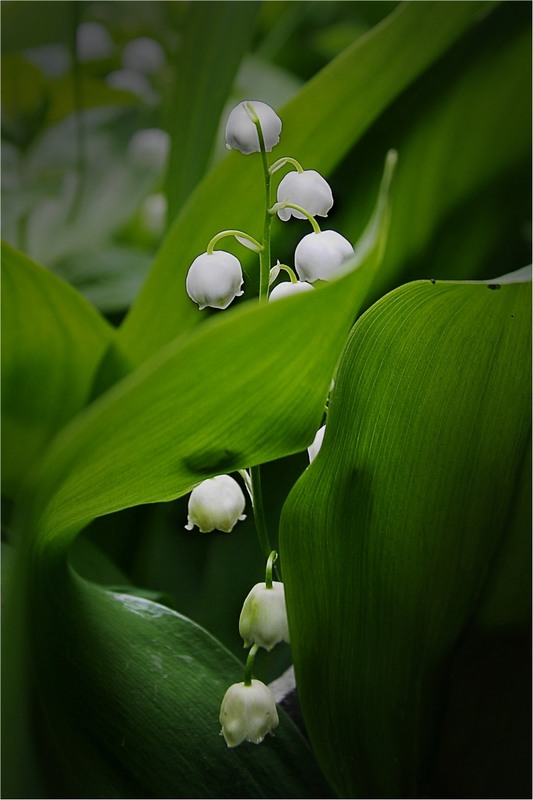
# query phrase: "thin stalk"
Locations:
[[249, 666], [259, 512], [264, 255]]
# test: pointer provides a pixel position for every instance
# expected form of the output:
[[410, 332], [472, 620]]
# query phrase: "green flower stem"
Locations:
[[285, 204], [290, 272], [264, 255], [285, 160], [249, 666], [268, 571], [257, 247], [259, 513]]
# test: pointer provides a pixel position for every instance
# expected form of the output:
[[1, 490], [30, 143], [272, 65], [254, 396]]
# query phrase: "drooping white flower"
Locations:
[[214, 279], [316, 444], [287, 289], [320, 256], [241, 132], [216, 503], [307, 189], [263, 619], [247, 713]]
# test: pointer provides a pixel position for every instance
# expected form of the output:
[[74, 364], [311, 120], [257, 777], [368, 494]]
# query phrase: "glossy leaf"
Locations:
[[52, 343], [320, 125], [389, 538], [131, 693]]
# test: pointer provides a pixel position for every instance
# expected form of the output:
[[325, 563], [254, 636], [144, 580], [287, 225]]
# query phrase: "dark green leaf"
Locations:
[[52, 343]]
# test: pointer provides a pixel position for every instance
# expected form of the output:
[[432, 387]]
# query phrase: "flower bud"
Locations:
[[287, 289], [316, 444], [320, 256], [216, 503], [241, 132], [263, 619], [247, 713], [307, 189], [214, 279]]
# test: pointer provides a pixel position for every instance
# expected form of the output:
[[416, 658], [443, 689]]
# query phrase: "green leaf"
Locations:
[[130, 697], [220, 400], [52, 344], [390, 538], [215, 36], [320, 125], [463, 131]]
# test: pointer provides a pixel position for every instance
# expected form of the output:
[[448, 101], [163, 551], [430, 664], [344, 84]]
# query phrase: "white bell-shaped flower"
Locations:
[[216, 503], [214, 279], [321, 256], [288, 289], [316, 444], [241, 132], [263, 619], [307, 189], [248, 713]]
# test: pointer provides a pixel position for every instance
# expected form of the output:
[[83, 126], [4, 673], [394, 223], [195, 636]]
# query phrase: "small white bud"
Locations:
[[307, 189], [214, 279], [247, 713], [287, 289], [263, 619], [320, 256], [216, 503], [241, 132], [316, 444]]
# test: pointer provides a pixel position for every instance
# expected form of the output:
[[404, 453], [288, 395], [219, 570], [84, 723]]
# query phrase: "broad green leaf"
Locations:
[[159, 680], [215, 36], [389, 539], [52, 344], [222, 399], [320, 125]]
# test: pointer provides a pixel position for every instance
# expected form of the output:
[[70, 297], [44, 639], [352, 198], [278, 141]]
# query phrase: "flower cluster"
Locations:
[[215, 277], [214, 280]]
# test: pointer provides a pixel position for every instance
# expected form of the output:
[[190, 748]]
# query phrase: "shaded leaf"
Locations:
[[389, 538], [52, 344], [131, 693]]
